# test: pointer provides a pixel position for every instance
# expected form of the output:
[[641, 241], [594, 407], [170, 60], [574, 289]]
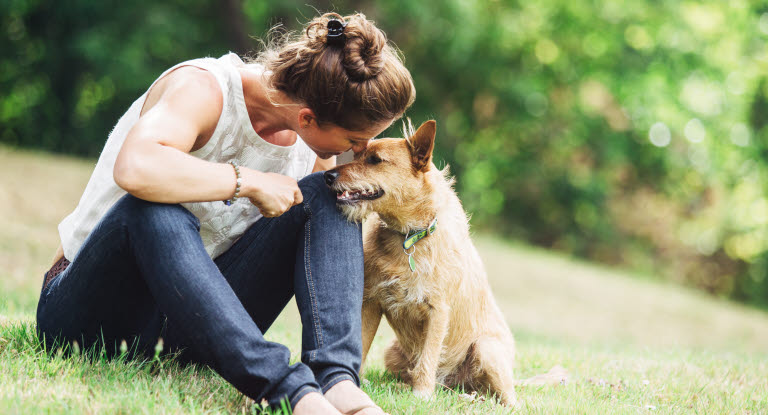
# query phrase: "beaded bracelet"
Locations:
[[238, 182]]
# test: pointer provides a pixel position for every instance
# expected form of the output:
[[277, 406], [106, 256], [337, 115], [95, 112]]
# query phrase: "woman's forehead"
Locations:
[[372, 131]]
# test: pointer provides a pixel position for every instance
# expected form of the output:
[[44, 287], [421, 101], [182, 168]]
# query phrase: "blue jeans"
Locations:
[[143, 274]]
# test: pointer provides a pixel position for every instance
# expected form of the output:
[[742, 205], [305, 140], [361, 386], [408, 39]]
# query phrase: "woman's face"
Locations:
[[331, 140]]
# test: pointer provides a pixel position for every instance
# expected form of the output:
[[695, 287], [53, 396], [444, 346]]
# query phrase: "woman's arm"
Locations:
[[181, 113], [182, 109]]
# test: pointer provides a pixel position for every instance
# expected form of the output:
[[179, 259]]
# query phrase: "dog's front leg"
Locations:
[[371, 321], [424, 373]]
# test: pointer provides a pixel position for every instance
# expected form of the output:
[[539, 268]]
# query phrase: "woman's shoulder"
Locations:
[[187, 85], [194, 80], [187, 97]]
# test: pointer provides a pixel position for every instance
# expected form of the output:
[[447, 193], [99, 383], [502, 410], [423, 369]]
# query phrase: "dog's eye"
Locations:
[[373, 159]]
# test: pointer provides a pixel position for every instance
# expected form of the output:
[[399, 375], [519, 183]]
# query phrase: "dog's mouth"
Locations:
[[348, 197]]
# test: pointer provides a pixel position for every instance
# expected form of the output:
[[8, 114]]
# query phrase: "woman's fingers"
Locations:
[[282, 204], [297, 196], [274, 194]]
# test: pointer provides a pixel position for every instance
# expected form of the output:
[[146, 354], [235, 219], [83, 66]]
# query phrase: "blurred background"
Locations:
[[630, 133]]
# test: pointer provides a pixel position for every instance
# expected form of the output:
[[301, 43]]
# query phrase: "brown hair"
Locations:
[[353, 84]]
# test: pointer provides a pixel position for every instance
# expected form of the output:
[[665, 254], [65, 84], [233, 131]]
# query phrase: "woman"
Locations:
[[202, 218]]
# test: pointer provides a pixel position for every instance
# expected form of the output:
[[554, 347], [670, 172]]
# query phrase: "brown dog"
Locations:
[[435, 295]]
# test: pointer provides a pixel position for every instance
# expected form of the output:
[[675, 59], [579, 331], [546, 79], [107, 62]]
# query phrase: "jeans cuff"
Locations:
[[300, 394], [293, 387], [336, 378]]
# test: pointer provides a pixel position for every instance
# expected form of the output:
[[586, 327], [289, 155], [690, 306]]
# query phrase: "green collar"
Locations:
[[410, 240]]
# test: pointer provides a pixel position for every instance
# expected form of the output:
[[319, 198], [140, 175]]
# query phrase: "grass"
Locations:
[[630, 344]]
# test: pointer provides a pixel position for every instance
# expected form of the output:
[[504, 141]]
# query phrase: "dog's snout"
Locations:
[[330, 176]]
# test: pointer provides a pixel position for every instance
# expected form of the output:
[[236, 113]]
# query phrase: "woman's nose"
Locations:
[[360, 146]]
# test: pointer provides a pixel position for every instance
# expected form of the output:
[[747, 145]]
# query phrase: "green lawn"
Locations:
[[630, 344]]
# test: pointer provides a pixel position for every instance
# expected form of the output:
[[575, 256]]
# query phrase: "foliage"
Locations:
[[630, 132], [619, 131]]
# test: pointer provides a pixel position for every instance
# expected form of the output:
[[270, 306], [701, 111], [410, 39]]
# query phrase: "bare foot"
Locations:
[[351, 400], [314, 403]]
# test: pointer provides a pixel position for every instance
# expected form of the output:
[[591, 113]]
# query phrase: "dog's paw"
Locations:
[[423, 393], [513, 404]]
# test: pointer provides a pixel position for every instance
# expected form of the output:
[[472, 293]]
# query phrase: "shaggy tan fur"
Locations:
[[449, 329]]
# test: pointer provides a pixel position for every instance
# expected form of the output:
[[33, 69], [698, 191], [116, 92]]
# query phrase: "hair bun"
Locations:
[[352, 81], [363, 45]]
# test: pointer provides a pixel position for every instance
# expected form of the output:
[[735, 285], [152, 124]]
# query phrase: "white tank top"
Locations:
[[233, 139]]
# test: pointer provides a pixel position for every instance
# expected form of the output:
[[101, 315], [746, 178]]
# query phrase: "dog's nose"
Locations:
[[330, 176]]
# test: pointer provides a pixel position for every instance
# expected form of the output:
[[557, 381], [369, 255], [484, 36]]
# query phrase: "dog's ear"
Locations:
[[421, 144]]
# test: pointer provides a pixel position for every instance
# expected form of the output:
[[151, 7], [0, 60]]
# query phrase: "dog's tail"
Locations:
[[556, 376]]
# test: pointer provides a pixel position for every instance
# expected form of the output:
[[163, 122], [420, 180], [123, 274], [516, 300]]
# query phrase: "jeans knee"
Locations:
[[142, 214], [314, 190], [314, 183]]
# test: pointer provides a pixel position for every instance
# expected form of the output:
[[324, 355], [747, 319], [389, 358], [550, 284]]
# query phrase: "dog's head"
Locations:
[[386, 178]]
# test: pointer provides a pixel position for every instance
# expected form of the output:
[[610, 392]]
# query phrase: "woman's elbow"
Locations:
[[127, 175]]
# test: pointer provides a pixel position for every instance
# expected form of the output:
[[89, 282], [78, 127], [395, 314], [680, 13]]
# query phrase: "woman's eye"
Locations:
[[373, 159]]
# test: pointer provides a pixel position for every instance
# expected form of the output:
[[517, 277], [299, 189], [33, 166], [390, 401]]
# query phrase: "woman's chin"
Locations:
[[326, 156]]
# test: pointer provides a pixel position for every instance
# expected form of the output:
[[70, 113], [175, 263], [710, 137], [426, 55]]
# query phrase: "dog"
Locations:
[[422, 271]]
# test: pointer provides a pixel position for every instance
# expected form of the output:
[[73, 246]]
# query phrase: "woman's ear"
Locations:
[[306, 118]]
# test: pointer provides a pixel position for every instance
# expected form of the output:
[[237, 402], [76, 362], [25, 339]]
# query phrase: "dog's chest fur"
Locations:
[[402, 296], [400, 291]]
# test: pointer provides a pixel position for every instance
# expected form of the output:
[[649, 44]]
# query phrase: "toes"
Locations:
[[371, 410]]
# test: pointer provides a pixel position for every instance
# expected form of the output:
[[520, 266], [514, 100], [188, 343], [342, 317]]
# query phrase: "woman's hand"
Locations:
[[272, 193]]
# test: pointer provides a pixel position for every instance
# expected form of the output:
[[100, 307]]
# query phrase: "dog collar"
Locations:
[[410, 241]]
